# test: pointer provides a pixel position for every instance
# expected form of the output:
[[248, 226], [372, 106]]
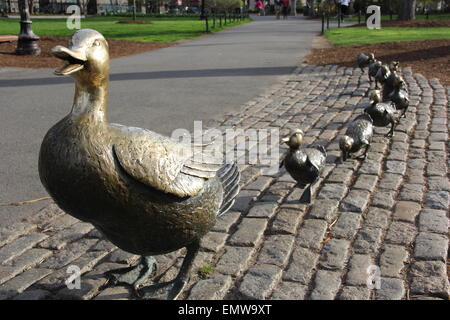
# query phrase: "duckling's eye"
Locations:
[[96, 43]]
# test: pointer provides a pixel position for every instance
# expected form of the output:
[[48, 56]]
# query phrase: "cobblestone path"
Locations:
[[389, 211]]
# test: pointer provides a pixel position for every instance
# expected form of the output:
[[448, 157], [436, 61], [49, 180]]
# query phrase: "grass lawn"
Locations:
[[361, 35], [162, 30], [440, 16]]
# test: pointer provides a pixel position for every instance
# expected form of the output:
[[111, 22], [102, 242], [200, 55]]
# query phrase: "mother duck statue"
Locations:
[[145, 192]]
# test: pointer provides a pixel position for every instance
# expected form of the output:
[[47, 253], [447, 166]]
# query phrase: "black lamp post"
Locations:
[[28, 41]]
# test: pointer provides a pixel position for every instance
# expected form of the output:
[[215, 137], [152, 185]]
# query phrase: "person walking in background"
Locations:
[[343, 4], [260, 7], [285, 6], [277, 5]]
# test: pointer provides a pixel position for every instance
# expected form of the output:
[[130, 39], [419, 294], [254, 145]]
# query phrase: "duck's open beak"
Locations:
[[75, 60]]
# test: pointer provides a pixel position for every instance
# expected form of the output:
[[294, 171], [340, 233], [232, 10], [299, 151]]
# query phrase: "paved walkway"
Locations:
[[389, 211], [161, 90], [7, 38]]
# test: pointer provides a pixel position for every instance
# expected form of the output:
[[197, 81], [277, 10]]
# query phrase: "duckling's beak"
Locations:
[[75, 60], [285, 140]]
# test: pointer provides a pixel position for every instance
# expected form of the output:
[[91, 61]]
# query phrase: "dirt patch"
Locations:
[[410, 24], [117, 48], [134, 22], [429, 57], [321, 42]]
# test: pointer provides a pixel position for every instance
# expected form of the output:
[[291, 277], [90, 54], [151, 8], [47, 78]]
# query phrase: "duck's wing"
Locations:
[[316, 156], [361, 128], [163, 163]]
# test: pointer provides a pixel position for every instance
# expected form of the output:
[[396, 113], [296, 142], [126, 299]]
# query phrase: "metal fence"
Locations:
[[60, 7]]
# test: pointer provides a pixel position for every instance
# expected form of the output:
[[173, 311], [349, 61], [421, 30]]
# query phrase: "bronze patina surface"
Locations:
[[393, 80], [364, 60], [357, 136], [382, 113], [399, 97], [303, 164], [145, 192], [374, 66]]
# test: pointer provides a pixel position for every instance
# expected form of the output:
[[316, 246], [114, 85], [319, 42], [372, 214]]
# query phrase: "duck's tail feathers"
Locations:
[[229, 176]]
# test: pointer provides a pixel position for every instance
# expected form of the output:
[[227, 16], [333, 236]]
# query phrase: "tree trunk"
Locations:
[[408, 10], [310, 5]]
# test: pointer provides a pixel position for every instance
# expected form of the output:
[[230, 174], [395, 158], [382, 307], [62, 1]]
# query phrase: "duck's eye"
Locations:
[[96, 43]]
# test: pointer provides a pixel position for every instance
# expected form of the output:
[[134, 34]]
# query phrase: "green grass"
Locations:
[[361, 35], [162, 29], [205, 270], [440, 16]]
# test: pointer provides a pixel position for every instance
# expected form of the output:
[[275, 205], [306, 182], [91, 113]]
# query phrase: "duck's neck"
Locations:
[[90, 101]]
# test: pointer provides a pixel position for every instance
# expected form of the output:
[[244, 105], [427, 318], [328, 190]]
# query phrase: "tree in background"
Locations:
[[226, 6], [299, 4], [83, 6], [310, 7], [407, 10], [425, 5]]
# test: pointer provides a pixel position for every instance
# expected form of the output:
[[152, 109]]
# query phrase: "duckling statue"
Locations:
[[383, 74], [381, 113], [373, 70], [399, 96], [357, 136], [394, 65], [303, 164], [364, 60], [145, 192], [393, 81]]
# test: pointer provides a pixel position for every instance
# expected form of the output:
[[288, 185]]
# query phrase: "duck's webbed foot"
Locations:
[[163, 291], [172, 289], [134, 276], [364, 155], [306, 196], [391, 132], [404, 114], [365, 152]]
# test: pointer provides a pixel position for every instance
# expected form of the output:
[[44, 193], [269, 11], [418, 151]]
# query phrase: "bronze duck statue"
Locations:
[[357, 136], [145, 192], [394, 65], [399, 97], [364, 60], [373, 70], [303, 164], [383, 74], [382, 113], [393, 80]]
